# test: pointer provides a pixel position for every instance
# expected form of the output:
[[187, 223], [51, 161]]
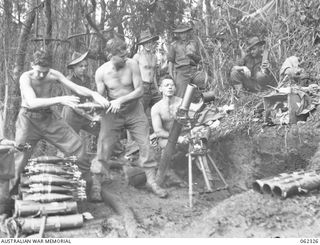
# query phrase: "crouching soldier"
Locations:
[[252, 71]]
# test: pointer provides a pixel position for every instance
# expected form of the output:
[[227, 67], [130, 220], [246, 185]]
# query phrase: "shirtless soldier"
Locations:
[[163, 114], [147, 61], [120, 78], [36, 120]]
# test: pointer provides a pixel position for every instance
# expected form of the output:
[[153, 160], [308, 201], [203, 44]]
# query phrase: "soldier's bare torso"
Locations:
[[41, 87], [167, 112], [147, 64], [117, 82]]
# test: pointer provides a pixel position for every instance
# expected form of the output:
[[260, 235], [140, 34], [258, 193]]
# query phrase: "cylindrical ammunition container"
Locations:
[[266, 185], [49, 197], [258, 184], [287, 188], [53, 159], [48, 179], [39, 188], [32, 225], [307, 182], [50, 169], [28, 208]]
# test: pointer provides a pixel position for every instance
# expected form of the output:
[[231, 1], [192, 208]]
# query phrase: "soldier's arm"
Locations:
[[156, 68], [171, 60], [99, 82], [80, 89], [32, 102], [136, 58]]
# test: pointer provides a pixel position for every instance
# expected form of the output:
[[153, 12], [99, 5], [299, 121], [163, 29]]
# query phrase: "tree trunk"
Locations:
[[48, 36], [208, 17], [4, 90], [14, 98]]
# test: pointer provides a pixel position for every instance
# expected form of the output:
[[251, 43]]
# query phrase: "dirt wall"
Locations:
[[245, 156]]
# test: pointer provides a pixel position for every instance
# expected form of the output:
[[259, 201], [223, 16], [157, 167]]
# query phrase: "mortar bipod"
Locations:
[[204, 159]]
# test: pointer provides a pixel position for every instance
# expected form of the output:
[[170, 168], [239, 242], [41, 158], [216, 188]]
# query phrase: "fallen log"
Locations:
[[120, 208]]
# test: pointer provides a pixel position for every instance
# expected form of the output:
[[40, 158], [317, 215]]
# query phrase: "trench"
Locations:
[[243, 156]]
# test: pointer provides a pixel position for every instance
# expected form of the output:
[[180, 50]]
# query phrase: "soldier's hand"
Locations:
[[246, 71], [8, 142], [69, 100], [114, 106], [101, 100], [7, 145], [183, 140]]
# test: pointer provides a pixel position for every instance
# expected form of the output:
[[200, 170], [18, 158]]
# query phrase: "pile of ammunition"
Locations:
[[288, 184], [50, 186]]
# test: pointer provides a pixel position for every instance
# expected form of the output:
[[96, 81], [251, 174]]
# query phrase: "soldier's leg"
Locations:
[[264, 80], [26, 132], [73, 120], [182, 80], [146, 98], [108, 137]]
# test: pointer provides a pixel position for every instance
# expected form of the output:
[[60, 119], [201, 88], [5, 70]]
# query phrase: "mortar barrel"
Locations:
[[28, 208], [187, 97], [32, 225]]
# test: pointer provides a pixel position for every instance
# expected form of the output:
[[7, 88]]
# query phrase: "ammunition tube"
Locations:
[[32, 225], [48, 197], [27, 208]]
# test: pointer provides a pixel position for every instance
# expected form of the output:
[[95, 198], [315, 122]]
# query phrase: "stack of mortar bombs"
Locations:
[[50, 186], [288, 184]]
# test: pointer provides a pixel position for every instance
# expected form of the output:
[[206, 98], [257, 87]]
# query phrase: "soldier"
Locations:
[[252, 72], [121, 79], [75, 116], [147, 61], [183, 57], [79, 75], [36, 119]]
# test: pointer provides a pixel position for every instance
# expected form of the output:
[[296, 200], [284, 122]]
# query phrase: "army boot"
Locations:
[[151, 183]]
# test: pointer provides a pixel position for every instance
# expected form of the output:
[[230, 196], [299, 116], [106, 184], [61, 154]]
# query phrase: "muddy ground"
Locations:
[[243, 154]]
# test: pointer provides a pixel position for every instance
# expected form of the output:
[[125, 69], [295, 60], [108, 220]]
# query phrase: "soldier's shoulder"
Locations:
[[26, 75], [131, 62], [103, 67], [156, 107]]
